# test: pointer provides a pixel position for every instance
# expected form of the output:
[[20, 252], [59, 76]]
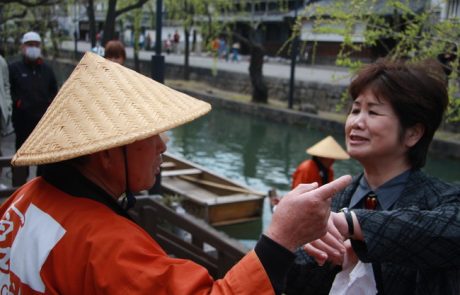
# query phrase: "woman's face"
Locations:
[[373, 131], [120, 60]]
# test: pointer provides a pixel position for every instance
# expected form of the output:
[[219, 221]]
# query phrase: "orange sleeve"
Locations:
[[125, 260], [169, 276]]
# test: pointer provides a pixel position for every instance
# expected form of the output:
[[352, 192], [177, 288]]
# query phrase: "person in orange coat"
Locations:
[[67, 232], [319, 168]]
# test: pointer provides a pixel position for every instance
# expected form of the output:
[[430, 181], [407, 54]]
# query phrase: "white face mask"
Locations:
[[33, 53]]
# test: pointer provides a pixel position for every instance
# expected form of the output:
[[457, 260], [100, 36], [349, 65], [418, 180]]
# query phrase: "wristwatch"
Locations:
[[349, 219]]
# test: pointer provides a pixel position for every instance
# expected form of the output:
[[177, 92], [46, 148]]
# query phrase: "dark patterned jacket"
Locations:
[[416, 244]]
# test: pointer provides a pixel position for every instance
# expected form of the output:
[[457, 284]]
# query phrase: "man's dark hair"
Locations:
[[416, 91]]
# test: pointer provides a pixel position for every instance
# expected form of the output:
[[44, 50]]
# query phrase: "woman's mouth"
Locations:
[[356, 139]]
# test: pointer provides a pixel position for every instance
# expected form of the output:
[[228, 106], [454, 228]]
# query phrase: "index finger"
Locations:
[[329, 189]]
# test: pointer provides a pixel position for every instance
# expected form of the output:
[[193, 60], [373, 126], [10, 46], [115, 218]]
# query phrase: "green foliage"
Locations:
[[393, 25], [18, 17], [204, 15]]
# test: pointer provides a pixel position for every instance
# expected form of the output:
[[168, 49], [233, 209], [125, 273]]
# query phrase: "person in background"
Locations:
[[319, 167], [33, 87], [398, 229], [168, 44], [98, 49], [115, 51], [235, 51], [66, 231], [5, 103], [176, 41]]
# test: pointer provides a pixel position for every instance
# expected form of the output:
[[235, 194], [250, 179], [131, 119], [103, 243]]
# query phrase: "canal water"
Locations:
[[263, 154]]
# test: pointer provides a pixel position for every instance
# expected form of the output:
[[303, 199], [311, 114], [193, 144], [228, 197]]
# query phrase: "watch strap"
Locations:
[[349, 219]]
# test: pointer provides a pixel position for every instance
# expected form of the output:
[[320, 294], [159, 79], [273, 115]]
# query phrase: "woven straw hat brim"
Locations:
[[328, 148], [104, 105]]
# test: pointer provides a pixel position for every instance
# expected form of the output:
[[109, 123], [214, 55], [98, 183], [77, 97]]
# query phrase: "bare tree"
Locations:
[[92, 22], [256, 63], [113, 13]]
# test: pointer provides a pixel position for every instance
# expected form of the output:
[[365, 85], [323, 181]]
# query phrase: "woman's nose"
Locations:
[[359, 121]]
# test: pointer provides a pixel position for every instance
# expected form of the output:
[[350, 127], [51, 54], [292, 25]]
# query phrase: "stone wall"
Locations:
[[324, 97], [308, 96]]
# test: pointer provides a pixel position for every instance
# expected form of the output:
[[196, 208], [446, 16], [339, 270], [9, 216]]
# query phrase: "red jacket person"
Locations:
[[319, 167]]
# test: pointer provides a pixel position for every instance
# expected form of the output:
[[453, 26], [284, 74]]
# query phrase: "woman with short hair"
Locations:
[[396, 225]]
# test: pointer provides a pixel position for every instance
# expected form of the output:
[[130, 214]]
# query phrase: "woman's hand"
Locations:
[[329, 247]]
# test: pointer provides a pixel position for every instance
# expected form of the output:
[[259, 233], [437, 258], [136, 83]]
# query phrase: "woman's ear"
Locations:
[[413, 134]]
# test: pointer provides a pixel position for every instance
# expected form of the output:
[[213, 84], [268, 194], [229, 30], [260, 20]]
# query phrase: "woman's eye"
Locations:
[[354, 111]]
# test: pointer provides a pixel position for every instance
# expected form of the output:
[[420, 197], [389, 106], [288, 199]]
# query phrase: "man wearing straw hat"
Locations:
[[65, 232], [319, 167]]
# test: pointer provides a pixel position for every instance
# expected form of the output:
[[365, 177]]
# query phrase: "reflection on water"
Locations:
[[264, 154]]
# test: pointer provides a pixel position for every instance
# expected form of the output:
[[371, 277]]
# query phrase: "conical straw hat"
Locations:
[[328, 148], [104, 105]]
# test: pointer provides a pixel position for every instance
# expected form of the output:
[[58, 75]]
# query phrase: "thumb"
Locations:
[[329, 189]]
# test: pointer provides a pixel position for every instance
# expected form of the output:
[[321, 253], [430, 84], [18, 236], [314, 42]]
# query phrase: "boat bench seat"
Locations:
[[167, 164], [234, 198], [183, 187], [178, 172], [201, 195]]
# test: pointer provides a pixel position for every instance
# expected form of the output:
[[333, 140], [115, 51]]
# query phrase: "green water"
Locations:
[[263, 154]]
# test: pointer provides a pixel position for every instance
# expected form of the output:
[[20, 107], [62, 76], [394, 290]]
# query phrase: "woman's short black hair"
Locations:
[[416, 91]]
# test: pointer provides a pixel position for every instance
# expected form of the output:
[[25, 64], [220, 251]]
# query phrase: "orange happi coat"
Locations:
[[55, 243], [308, 172]]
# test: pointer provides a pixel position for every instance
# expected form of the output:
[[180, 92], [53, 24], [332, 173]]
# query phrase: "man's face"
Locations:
[[144, 160], [31, 44], [31, 49]]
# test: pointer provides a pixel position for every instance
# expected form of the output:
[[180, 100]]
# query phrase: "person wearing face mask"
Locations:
[[33, 87]]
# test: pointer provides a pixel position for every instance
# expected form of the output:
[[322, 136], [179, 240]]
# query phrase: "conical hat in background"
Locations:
[[328, 148], [104, 105]]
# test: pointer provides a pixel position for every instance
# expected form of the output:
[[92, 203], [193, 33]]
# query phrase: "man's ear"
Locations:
[[413, 134], [105, 158]]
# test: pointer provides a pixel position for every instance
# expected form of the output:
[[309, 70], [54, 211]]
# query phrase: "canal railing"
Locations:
[[180, 235]]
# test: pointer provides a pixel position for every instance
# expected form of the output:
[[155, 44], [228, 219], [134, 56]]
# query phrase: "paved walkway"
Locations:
[[278, 68]]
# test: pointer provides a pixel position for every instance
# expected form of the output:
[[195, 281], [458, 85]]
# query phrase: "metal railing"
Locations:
[[185, 236]]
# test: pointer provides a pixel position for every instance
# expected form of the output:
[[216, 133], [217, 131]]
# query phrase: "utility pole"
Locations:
[[158, 74], [158, 60], [294, 50], [75, 31]]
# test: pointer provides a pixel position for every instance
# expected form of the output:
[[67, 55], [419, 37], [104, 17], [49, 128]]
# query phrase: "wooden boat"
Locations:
[[214, 198]]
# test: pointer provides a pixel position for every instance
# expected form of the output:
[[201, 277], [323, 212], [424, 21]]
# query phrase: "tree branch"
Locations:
[[18, 15], [138, 4], [31, 3]]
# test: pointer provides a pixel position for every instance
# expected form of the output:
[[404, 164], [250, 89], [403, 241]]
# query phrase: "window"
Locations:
[[453, 9]]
